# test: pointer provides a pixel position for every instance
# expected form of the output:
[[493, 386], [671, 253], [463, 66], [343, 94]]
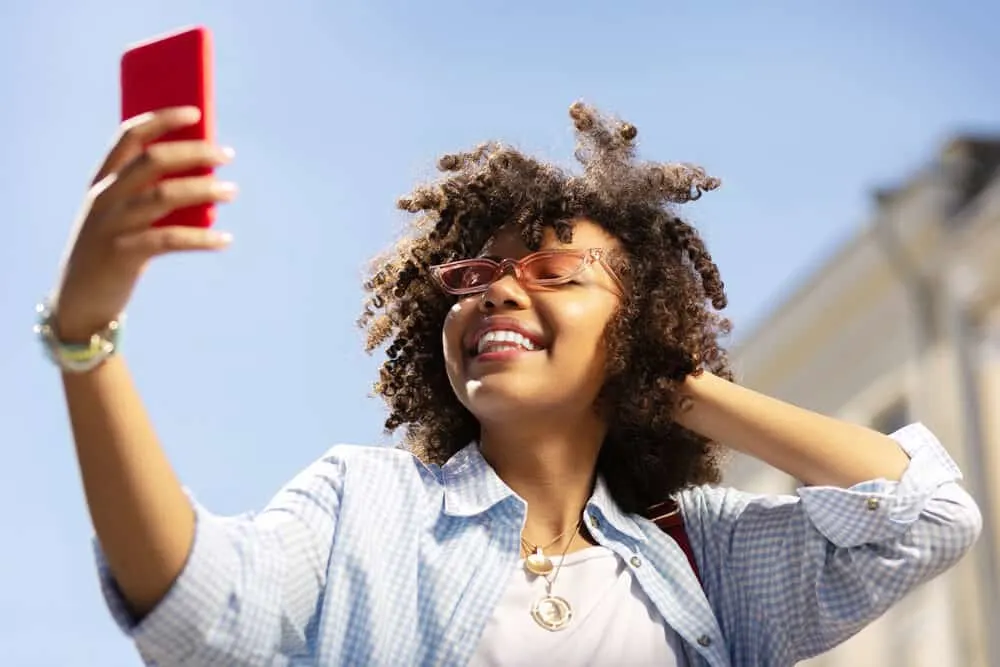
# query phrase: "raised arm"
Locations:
[[813, 448], [878, 516], [189, 587], [143, 519]]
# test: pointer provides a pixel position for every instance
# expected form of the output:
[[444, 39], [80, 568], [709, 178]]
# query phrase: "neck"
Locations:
[[550, 466]]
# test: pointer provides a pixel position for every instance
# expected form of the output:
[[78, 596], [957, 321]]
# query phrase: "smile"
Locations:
[[503, 340]]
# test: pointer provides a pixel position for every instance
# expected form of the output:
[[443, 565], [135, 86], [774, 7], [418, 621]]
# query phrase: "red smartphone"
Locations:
[[169, 71]]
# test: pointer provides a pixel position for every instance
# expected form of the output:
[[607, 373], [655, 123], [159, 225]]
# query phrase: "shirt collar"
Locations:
[[605, 506], [472, 487]]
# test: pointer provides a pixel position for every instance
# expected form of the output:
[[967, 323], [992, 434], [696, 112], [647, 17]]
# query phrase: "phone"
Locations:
[[173, 70]]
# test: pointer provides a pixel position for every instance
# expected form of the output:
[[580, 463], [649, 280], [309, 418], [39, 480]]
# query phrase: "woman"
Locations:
[[553, 358]]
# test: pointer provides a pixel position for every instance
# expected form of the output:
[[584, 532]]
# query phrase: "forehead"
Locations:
[[586, 234]]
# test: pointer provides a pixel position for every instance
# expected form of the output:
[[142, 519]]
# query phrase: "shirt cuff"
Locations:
[[880, 510], [196, 601]]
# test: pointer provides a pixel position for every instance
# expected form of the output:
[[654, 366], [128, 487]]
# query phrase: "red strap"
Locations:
[[667, 517]]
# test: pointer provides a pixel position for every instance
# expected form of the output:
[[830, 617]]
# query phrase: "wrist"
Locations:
[[76, 332], [77, 349], [693, 392]]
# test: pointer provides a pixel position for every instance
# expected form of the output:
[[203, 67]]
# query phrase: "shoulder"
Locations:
[[372, 466], [370, 454], [696, 509], [710, 503]]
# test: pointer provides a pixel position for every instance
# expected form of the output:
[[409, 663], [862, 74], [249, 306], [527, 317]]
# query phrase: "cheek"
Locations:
[[581, 326], [455, 325]]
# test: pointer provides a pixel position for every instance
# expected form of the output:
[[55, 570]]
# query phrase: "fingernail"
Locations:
[[228, 152], [190, 114], [220, 237], [225, 189]]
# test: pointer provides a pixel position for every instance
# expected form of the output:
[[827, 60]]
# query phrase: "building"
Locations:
[[902, 324]]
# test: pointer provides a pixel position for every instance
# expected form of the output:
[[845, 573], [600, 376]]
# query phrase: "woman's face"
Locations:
[[557, 361]]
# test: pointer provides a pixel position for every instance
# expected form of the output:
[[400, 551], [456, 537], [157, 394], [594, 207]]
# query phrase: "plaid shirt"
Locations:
[[369, 557]]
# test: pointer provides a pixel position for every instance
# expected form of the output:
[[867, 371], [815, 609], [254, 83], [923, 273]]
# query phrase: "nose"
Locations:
[[505, 292]]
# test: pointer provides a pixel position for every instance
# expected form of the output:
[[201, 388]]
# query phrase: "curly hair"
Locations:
[[667, 327]]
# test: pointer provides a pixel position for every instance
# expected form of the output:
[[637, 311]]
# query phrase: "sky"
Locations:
[[250, 362]]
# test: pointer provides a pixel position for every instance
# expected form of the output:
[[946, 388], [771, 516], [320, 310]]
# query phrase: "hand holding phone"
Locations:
[[174, 70], [155, 191]]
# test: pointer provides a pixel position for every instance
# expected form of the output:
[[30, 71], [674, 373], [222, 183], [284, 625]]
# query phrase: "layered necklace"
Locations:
[[552, 612]]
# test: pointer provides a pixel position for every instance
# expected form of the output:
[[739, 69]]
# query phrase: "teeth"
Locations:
[[499, 339]]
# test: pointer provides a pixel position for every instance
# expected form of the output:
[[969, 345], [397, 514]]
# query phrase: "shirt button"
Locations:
[[704, 641], [872, 504], [635, 561], [594, 522]]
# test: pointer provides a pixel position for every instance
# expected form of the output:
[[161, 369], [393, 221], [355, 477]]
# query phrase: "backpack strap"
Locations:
[[667, 517]]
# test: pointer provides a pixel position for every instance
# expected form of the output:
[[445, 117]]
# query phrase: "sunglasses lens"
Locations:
[[468, 276], [552, 268]]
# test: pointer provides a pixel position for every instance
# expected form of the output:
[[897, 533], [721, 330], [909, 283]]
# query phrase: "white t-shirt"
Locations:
[[613, 623]]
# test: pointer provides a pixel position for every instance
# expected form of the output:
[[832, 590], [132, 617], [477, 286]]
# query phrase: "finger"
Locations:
[[138, 131], [168, 195], [158, 161], [148, 243]]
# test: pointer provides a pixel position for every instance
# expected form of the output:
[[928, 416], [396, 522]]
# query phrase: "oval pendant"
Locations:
[[552, 613], [538, 563]]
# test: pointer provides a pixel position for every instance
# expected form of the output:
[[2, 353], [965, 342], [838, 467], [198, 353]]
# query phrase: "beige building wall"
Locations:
[[848, 343]]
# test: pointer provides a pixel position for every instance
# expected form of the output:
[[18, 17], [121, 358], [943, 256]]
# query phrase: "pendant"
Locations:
[[538, 563], [552, 613]]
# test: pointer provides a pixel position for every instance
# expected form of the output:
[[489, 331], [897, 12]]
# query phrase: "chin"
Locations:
[[495, 398], [491, 397]]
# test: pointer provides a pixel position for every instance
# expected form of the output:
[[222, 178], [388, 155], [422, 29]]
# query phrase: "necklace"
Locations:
[[553, 612], [535, 560]]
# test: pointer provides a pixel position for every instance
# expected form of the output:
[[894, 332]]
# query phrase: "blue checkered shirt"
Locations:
[[369, 557]]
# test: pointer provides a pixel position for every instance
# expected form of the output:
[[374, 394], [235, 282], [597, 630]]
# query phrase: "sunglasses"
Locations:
[[545, 268]]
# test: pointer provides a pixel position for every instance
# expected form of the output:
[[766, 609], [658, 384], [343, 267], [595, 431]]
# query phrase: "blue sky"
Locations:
[[250, 362]]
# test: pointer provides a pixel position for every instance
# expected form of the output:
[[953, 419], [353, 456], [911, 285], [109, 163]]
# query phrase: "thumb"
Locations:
[[155, 241]]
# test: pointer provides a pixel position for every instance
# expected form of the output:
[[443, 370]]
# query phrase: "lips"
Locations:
[[500, 333]]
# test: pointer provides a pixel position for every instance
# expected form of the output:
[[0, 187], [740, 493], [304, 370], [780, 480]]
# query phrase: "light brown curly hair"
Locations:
[[666, 328]]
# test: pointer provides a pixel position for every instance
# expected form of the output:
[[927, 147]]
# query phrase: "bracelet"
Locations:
[[77, 357]]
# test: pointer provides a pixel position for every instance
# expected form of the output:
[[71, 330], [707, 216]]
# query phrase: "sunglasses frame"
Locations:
[[516, 268]]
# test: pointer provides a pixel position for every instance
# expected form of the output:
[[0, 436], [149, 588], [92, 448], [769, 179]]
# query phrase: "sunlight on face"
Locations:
[[567, 321]]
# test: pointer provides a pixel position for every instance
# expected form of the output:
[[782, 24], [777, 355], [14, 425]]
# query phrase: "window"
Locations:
[[892, 418], [969, 165]]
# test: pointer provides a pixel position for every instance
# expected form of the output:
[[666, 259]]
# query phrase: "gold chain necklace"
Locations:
[[552, 612], [535, 560]]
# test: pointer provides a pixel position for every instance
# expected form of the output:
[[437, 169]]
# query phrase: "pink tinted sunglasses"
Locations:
[[545, 268]]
